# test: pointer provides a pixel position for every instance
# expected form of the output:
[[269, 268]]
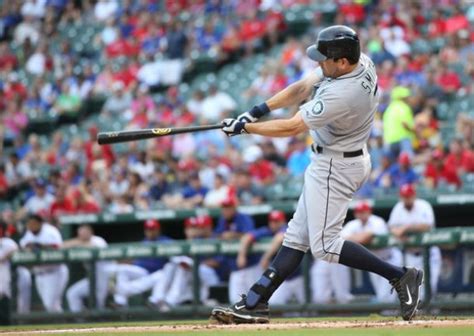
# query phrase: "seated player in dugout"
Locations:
[[175, 285], [292, 288], [232, 225], [140, 268], [342, 98]]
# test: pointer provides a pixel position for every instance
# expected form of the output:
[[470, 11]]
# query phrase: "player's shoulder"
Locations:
[[398, 207], [422, 204], [376, 219], [98, 241], [8, 243], [48, 228]]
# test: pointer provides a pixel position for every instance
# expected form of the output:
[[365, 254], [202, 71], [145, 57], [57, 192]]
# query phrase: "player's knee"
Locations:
[[323, 254]]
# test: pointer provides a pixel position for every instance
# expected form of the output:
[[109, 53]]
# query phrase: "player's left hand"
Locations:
[[233, 127]]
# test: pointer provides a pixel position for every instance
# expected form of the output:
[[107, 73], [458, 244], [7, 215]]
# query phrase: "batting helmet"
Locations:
[[336, 42]]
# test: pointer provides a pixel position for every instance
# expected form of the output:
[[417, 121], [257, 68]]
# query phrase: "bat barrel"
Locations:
[[104, 138]]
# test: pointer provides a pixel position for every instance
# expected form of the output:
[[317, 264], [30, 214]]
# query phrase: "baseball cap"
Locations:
[[404, 158], [407, 190], [201, 222], [362, 206], [276, 216], [229, 202], [40, 183], [400, 92], [152, 224]]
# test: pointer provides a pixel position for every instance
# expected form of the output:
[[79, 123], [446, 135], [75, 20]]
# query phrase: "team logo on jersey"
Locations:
[[318, 107]]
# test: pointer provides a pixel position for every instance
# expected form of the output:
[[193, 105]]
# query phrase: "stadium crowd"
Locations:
[[51, 63]]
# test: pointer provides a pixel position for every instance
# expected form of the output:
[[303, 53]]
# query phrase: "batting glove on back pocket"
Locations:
[[233, 127]]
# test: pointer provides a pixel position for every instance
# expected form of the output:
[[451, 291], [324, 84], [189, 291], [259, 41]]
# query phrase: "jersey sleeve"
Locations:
[[246, 223], [323, 109], [349, 229], [7, 246], [394, 214], [260, 233], [378, 226], [427, 214], [26, 239]]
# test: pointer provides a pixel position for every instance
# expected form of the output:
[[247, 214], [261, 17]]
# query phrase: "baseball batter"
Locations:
[[339, 117]]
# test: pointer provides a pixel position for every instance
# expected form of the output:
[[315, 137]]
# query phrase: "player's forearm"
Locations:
[[418, 228], [363, 238], [278, 127], [245, 243], [274, 246]]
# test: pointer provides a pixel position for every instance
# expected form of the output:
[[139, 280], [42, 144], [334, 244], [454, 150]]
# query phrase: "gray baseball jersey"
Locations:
[[341, 113]]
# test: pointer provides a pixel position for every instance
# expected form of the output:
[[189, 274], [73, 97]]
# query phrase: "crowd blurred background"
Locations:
[[69, 69]]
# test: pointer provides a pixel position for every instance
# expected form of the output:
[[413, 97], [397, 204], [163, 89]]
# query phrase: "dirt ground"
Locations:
[[271, 326]]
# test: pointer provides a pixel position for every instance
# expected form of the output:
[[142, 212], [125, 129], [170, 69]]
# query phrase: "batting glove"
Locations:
[[233, 127], [254, 114]]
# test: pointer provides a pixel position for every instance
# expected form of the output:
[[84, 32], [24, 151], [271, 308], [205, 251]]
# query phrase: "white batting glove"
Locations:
[[233, 127], [247, 117]]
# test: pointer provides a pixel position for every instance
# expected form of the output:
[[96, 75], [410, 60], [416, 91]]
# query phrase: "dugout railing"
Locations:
[[451, 238]]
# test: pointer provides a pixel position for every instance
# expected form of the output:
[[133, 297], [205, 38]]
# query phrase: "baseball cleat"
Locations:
[[239, 314], [408, 289]]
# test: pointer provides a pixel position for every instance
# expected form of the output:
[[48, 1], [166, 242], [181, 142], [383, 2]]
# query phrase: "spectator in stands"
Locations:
[[105, 9], [218, 193], [51, 280], [14, 119], [247, 192], [194, 193], [40, 202], [173, 288], [217, 105], [68, 101], [459, 159], [160, 185], [118, 102], [141, 267], [62, 205], [17, 171], [3, 182], [398, 123], [83, 203], [414, 215], [299, 158], [79, 291], [261, 170], [439, 173], [402, 172]]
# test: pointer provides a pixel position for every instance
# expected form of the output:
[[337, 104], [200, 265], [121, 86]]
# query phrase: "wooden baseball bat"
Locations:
[[148, 133]]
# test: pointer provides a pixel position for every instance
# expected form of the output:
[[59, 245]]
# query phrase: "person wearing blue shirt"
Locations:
[[194, 192], [402, 172], [132, 279], [293, 287], [231, 225]]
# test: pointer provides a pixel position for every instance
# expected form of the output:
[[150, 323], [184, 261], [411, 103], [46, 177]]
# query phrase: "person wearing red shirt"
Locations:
[[8, 60], [82, 204], [14, 88], [459, 159], [107, 152], [61, 205], [448, 80], [262, 170], [436, 171], [3, 182]]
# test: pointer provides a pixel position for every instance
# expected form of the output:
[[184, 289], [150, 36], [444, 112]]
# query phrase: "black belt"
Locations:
[[320, 150]]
